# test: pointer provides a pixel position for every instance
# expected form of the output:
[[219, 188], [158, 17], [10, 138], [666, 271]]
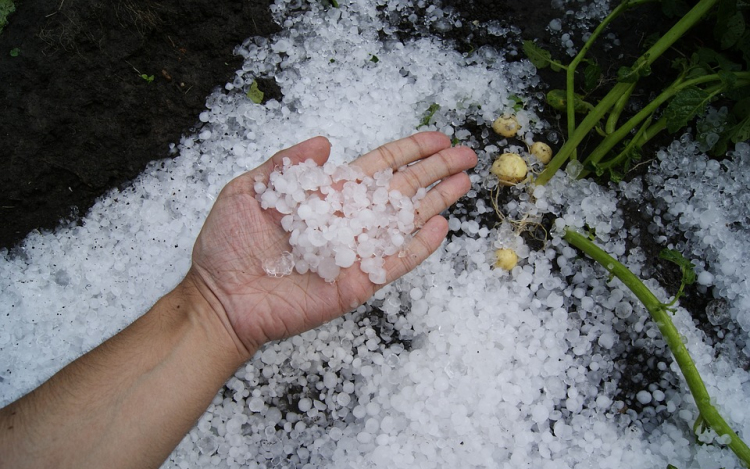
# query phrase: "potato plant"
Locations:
[[701, 78]]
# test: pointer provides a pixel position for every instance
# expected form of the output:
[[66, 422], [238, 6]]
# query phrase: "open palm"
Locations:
[[238, 236]]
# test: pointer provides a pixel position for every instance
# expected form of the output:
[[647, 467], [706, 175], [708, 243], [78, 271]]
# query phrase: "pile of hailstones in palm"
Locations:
[[391, 384]]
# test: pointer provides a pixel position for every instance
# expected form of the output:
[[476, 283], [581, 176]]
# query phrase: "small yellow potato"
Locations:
[[510, 169], [505, 259], [542, 151], [507, 126]]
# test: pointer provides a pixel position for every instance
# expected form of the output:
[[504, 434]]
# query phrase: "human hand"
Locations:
[[238, 236]]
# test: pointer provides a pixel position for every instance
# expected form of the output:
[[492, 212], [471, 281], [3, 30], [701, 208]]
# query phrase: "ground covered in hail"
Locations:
[[550, 364]]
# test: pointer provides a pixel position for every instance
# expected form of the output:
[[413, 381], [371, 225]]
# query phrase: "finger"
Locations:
[[317, 149], [402, 152], [434, 168], [424, 243], [442, 196]]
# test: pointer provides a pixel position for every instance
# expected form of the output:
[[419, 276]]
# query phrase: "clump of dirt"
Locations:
[[96, 90]]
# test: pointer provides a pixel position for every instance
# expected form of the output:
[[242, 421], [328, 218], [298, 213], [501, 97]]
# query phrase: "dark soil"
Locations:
[[77, 117]]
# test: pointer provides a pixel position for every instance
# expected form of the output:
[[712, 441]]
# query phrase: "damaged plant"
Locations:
[[701, 78]]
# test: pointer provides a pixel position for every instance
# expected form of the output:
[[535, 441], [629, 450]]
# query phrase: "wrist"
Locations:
[[203, 304]]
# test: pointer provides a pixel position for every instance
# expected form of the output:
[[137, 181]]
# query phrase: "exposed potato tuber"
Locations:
[[542, 151], [505, 259], [509, 168], [507, 126]]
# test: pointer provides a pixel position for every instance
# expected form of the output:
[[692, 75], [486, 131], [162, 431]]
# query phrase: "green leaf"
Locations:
[[728, 79], [681, 63], [734, 30], [6, 8], [15, 52], [591, 75], [517, 102], [429, 114], [741, 131], [650, 40], [688, 274], [743, 45], [634, 73], [539, 57], [684, 106], [615, 176], [709, 57], [255, 94], [738, 94], [741, 108], [726, 9], [738, 129], [697, 71], [557, 99], [635, 153], [374, 59], [598, 169]]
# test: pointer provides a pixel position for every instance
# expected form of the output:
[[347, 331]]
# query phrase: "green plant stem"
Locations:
[[622, 156], [570, 72], [588, 123], [612, 139], [660, 316], [614, 114], [653, 131]]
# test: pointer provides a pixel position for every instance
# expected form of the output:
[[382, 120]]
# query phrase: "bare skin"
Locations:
[[128, 403]]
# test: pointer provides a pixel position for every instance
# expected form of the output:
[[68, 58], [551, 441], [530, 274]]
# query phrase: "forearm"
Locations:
[[128, 402]]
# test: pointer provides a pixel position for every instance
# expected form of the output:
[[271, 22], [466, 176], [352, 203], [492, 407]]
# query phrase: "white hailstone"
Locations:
[[358, 218], [705, 278], [335, 433], [255, 404], [644, 397], [607, 340], [304, 405], [359, 412], [343, 399]]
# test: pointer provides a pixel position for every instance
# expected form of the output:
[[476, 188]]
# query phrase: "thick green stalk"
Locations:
[[652, 131], [617, 109], [660, 316], [588, 123], [570, 72], [571, 69], [664, 43], [697, 13], [623, 155], [614, 138]]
